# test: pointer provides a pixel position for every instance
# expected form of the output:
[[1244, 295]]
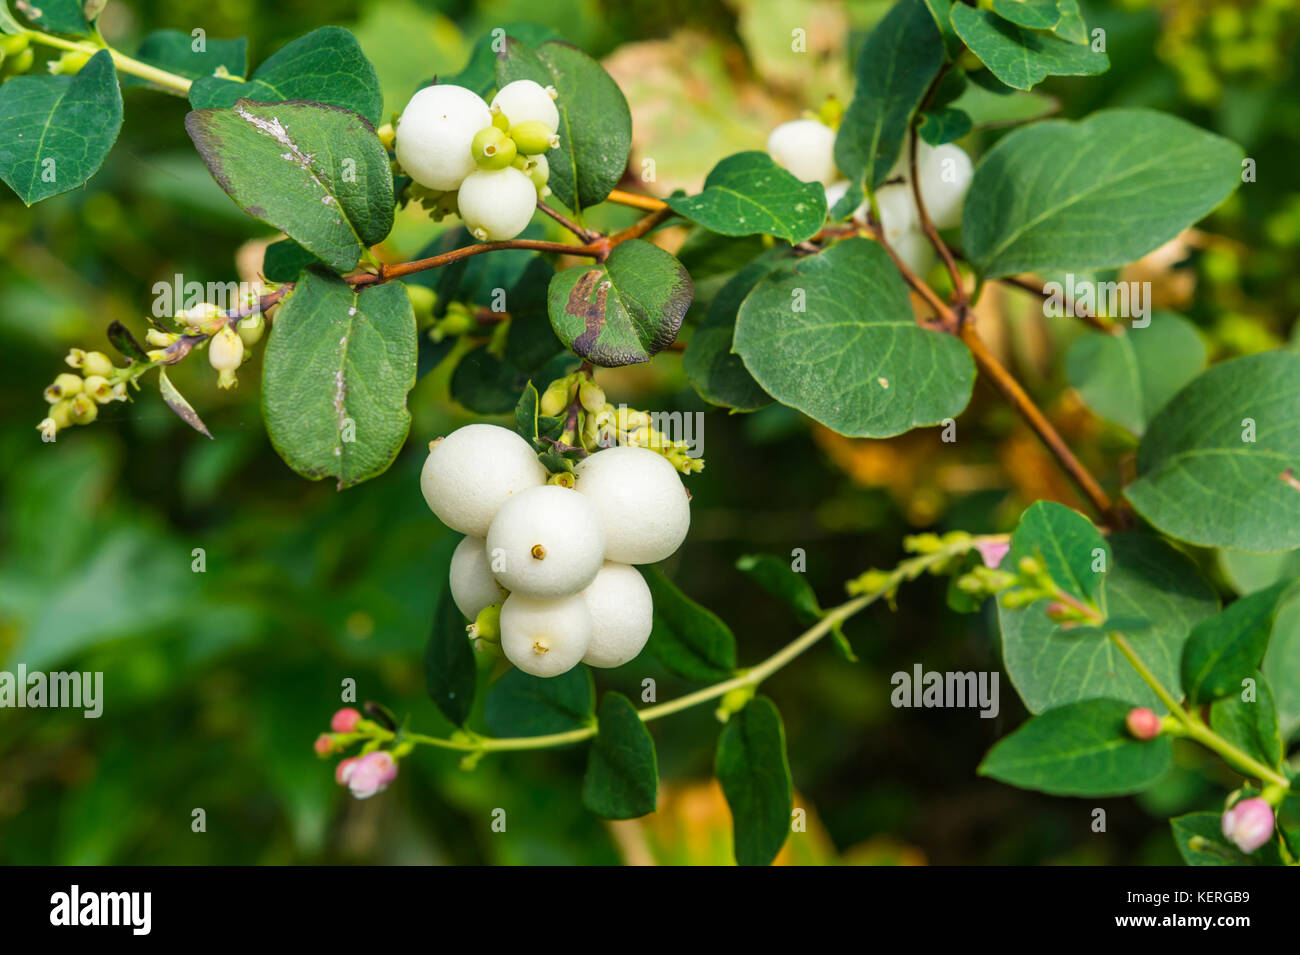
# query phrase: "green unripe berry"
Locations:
[[251, 329], [20, 62], [556, 398], [65, 386], [99, 389], [83, 410], [493, 149], [69, 63], [61, 413], [539, 171], [13, 44], [422, 299], [592, 396], [500, 120], [533, 137]]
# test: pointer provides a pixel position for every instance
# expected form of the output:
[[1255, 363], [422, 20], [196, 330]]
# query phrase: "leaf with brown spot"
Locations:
[[623, 310]]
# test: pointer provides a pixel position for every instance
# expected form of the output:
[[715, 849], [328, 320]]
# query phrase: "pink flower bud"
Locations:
[[324, 744], [1058, 612], [344, 769], [992, 552], [371, 774], [1248, 824], [1143, 723], [345, 720]]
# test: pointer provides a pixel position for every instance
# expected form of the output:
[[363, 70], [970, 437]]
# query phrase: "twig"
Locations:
[[1036, 287], [648, 203], [586, 235], [927, 224]]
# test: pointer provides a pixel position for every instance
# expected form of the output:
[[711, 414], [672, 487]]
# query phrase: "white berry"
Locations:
[[434, 135], [524, 101], [472, 585], [497, 204], [473, 471], [546, 542], [915, 250], [641, 501], [622, 612], [545, 637], [897, 207], [806, 148], [945, 177]]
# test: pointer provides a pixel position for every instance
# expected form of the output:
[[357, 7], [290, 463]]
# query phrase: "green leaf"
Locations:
[[1227, 648], [449, 670], [1247, 572], [749, 194], [173, 51], [318, 173], [122, 339], [480, 72], [1072, 550], [1282, 666], [688, 639], [941, 10], [752, 766], [775, 576], [595, 122], [284, 260], [718, 374], [1022, 58], [622, 780], [897, 63], [1080, 749], [944, 125], [623, 310], [1127, 377], [833, 335], [176, 401], [1050, 665], [1199, 837], [56, 16], [1123, 182], [324, 66], [485, 384], [1061, 17], [338, 365], [58, 129], [520, 704], [1213, 464], [1251, 725]]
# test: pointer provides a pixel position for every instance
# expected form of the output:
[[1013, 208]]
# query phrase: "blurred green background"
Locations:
[[216, 683]]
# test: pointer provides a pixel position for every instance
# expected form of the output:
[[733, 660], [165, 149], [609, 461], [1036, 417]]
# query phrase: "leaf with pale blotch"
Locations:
[[324, 66], [176, 401], [1217, 465], [1128, 376], [1122, 182], [749, 194], [623, 310], [318, 173], [1050, 665], [1080, 749], [833, 335], [58, 129], [896, 65], [339, 363], [1023, 58]]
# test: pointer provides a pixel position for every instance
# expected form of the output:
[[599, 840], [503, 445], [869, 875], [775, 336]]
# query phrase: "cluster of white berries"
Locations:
[[486, 161], [806, 147], [75, 399], [554, 559]]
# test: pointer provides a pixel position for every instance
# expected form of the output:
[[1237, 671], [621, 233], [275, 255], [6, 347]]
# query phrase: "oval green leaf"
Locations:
[[688, 639], [749, 194], [520, 704], [752, 766], [1023, 58], [622, 780]]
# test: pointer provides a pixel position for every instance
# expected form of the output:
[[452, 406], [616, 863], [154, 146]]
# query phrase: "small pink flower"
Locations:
[[345, 720], [1143, 723], [1248, 824], [324, 744], [344, 769], [371, 774], [992, 552]]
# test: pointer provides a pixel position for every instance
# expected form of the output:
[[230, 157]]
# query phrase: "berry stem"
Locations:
[[124, 63]]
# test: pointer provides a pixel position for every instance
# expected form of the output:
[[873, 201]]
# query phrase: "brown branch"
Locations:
[[948, 319], [1035, 418], [1036, 287], [586, 235], [927, 224], [648, 203]]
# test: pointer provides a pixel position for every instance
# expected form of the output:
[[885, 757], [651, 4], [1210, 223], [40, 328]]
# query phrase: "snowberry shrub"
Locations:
[[879, 235]]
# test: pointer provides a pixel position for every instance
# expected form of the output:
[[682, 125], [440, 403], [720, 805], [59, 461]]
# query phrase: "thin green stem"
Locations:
[[124, 63], [1195, 729]]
